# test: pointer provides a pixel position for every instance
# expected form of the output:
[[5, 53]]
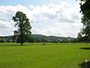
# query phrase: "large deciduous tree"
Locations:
[[23, 25], [85, 10]]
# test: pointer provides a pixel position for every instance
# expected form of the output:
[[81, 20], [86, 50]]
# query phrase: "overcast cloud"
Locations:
[[53, 19]]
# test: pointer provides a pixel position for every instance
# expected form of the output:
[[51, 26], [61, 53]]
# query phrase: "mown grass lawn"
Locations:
[[36, 55]]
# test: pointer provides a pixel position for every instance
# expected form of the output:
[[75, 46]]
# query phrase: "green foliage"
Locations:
[[85, 9], [23, 24], [84, 0], [38, 56]]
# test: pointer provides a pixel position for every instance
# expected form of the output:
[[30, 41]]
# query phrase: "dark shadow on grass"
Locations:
[[85, 48], [85, 65]]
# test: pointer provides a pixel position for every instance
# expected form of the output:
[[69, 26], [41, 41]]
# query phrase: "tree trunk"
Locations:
[[21, 43]]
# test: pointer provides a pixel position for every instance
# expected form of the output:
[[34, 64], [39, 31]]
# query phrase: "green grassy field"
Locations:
[[64, 55]]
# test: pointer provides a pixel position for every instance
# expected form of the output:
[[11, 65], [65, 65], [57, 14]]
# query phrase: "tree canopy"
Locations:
[[23, 25], [85, 10]]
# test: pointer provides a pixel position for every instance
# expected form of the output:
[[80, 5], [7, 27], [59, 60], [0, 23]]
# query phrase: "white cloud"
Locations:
[[6, 28], [61, 20]]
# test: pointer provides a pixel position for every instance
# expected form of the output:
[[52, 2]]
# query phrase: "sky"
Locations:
[[47, 17]]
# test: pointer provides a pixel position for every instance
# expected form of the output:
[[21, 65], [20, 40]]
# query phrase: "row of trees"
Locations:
[[36, 40]]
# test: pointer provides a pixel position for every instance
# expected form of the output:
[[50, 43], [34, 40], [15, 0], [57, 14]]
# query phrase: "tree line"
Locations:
[[39, 39]]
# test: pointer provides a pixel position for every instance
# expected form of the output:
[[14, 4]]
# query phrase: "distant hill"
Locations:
[[40, 37], [50, 37]]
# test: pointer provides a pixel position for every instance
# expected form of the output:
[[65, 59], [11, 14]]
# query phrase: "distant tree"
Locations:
[[23, 24], [1, 40], [32, 40]]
